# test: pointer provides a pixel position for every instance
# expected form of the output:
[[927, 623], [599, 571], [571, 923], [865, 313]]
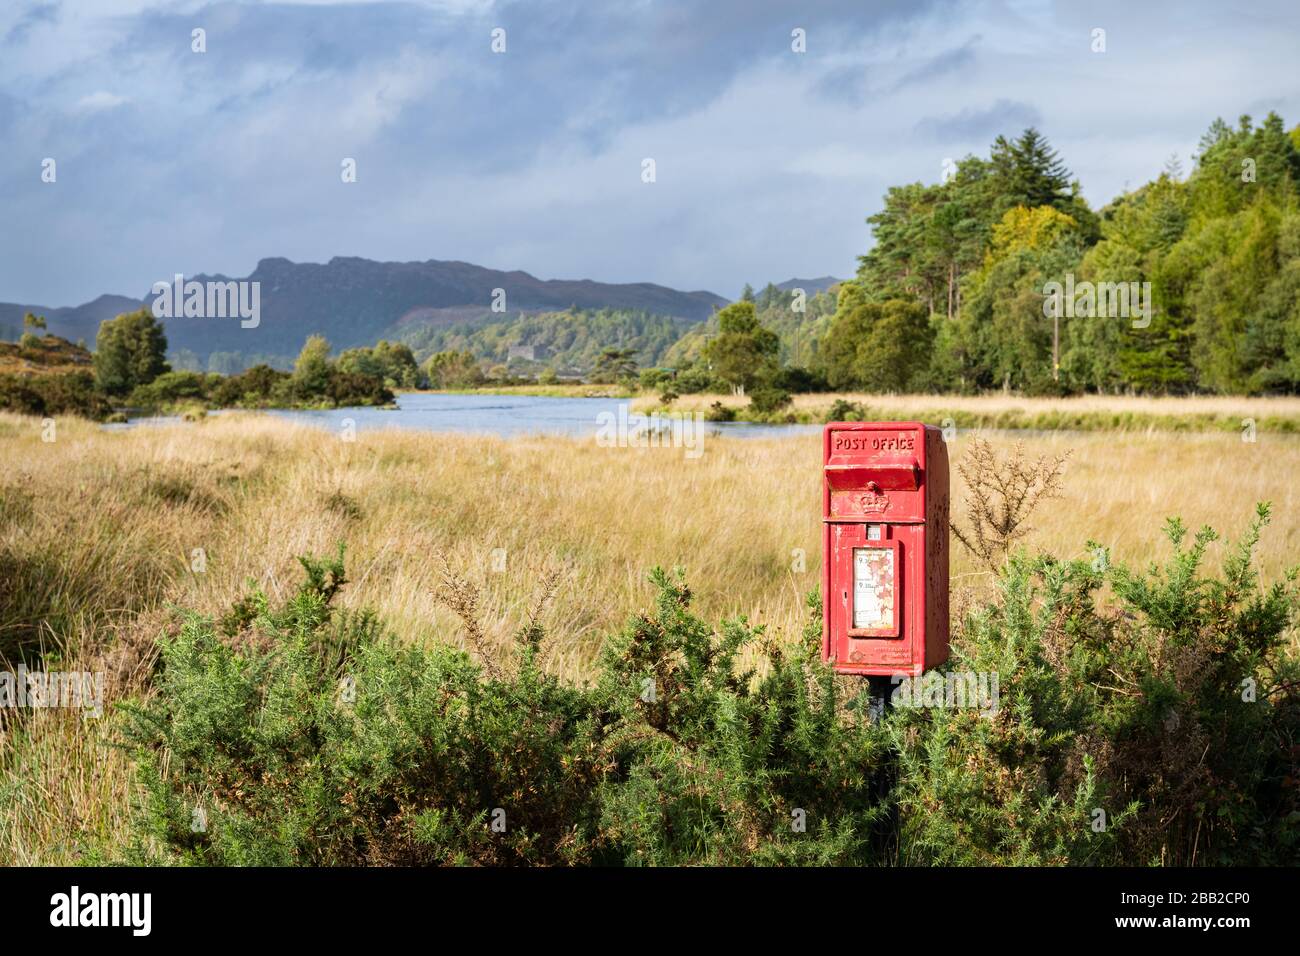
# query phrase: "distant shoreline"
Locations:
[[1082, 413], [560, 390]]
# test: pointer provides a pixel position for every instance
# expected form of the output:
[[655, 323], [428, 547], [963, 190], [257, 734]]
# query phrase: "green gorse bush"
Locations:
[[305, 735], [1161, 731], [1157, 728]]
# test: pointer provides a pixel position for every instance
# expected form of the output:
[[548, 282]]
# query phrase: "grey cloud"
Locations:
[[853, 84], [944, 64], [979, 125], [769, 162], [31, 18], [847, 84]]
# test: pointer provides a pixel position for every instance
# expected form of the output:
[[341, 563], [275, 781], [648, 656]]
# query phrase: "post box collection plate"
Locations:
[[875, 597], [885, 547]]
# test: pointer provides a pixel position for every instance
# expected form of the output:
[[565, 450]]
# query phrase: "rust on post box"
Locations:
[[884, 547]]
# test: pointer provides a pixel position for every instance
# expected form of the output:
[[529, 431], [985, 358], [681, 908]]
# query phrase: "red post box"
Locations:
[[884, 547]]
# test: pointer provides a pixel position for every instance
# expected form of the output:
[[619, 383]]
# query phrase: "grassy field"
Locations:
[[99, 532], [1082, 413], [112, 518]]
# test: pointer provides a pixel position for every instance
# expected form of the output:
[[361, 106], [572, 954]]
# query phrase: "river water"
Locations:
[[496, 415]]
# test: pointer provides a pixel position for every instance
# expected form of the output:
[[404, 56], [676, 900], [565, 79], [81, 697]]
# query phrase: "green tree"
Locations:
[[1216, 257], [130, 350], [399, 365], [452, 369], [1028, 172], [34, 322], [614, 365], [743, 352], [878, 346], [929, 237], [311, 371], [896, 354], [391, 362], [361, 361], [1007, 335], [849, 328], [769, 297]]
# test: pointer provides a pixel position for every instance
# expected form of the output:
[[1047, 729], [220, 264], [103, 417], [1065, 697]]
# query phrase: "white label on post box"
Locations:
[[873, 588]]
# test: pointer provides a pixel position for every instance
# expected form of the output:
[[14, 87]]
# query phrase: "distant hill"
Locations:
[[71, 322], [568, 341], [354, 301], [808, 285]]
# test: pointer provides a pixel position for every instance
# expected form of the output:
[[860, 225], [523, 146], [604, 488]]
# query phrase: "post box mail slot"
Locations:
[[893, 476], [884, 547]]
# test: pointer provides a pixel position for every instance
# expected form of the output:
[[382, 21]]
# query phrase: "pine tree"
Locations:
[[1030, 173]]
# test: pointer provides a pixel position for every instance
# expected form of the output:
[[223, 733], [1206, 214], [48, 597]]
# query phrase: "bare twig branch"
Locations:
[[462, 597], [1002, 494]]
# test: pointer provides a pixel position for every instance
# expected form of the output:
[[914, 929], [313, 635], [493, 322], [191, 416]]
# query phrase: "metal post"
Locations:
[[885, 837], [879, 689]]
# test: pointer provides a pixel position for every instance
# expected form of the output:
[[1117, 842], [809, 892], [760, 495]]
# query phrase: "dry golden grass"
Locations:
[[122, 512], [98, 529], [69, 786], [50, 356], [1230, 405]]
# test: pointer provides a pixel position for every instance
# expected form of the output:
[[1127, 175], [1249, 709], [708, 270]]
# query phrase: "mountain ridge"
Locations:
[[355, 301]]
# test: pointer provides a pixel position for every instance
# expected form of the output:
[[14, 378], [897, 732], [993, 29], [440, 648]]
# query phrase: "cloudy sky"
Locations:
[[767, 161]]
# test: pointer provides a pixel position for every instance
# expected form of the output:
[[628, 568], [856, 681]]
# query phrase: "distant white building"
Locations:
[[526, 352]]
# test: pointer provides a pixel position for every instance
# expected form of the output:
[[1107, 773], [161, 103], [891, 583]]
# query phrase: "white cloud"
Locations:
[[99, 100]]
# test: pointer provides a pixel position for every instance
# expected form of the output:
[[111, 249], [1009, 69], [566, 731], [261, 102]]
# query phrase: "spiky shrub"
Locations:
[[1174, 713], [302, 735], [715, 764], [1157, 727]]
